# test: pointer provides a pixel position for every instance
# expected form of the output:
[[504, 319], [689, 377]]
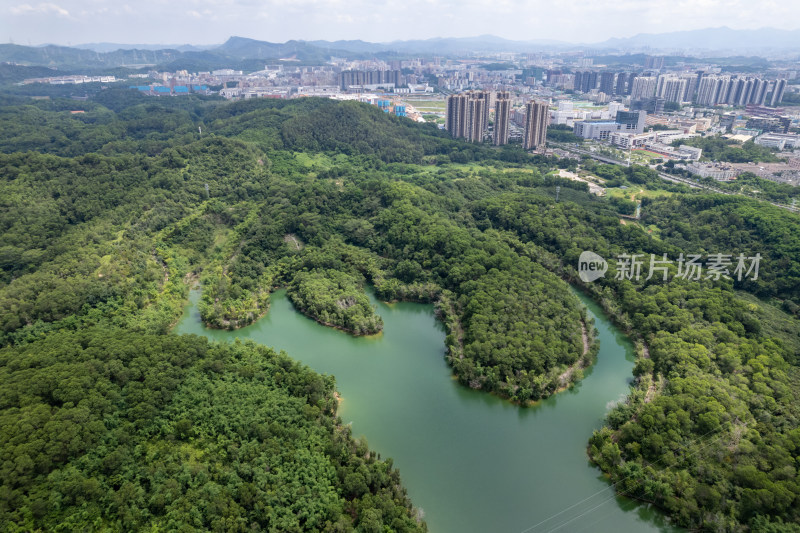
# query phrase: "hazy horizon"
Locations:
[[210, 22], [474, 36]]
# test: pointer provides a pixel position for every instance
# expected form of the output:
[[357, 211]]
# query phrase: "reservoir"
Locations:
[[472, 462]]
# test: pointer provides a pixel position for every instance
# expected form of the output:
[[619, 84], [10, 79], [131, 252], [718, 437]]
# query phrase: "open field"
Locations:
[[648, 153], [427, 105], [636, 194]]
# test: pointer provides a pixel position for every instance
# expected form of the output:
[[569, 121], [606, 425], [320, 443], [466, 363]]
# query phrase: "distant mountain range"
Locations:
[[712, 40], [245, 53], [446, 46], [721, 39], [112, 47], [64, 57]]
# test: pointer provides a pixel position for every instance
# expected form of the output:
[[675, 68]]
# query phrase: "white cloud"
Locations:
[[204, 14], [44, 8], [210, 21]]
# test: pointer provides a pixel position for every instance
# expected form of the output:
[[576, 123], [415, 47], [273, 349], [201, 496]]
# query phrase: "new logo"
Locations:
[[591, 266]]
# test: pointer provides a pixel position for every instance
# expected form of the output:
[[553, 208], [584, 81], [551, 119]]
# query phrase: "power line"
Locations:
[[583, 513], [613, 485]]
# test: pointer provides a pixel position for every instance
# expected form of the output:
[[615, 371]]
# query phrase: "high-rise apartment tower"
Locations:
[[536, 120]]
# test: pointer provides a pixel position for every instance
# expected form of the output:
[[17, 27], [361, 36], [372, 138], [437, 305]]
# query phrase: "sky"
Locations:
[[72, 22]]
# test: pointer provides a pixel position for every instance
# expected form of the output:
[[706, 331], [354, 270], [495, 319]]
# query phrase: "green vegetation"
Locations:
[[428, 105], [622, 205], [751, 185], [237, 52], [791, 99], [139, 432], [709, 432], [498, 66], [746, 183], [107, 217], [562, 133], [124, 425], [16, 73], [718, 148], [672, 106], [334, 299], [749, 228], [634, 175]]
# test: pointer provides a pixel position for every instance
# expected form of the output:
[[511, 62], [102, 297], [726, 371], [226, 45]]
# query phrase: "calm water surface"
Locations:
[[472, 462]]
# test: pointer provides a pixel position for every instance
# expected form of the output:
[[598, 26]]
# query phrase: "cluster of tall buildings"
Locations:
[[585, 81], [643, 87], [654, 62], [709, 90], [467, 117], [676, 88], [371, 78], [700, 88], [608, 82], [741, 91]]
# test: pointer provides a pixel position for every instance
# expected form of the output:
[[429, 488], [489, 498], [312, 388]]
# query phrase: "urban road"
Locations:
[[668, 177]]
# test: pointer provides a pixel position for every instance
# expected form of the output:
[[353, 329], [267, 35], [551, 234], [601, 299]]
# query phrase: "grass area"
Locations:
[[649, 154], [436, 119], [452, 169], [652, 230], [643, 157], [635, 194], [318, 161], [428, 106], [588, 106], [612, 152]]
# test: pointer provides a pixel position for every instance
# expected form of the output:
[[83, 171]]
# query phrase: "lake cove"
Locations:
[[471, 461]]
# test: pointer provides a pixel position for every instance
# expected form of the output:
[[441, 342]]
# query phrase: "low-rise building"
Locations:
[[626, 121], [780, 141], [717, 171], [690, 152], [631, 140], [601, 130], [769, 124]]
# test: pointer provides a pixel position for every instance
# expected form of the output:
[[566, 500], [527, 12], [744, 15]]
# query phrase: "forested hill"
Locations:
[[108, 216]]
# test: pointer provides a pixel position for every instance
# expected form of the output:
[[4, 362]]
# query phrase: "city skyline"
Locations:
[[206, 22]]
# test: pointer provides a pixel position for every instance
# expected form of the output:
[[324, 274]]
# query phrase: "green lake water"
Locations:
[[472, 462]]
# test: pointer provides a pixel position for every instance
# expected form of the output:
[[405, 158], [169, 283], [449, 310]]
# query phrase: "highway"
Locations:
[[663, 175]]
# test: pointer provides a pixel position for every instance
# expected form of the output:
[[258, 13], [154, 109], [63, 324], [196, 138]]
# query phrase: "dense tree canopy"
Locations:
[[108, 216], [718, 148], [105, 426]]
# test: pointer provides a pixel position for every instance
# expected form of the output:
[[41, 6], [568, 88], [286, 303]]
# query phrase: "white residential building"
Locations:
[[780, 141], [715, 171]]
